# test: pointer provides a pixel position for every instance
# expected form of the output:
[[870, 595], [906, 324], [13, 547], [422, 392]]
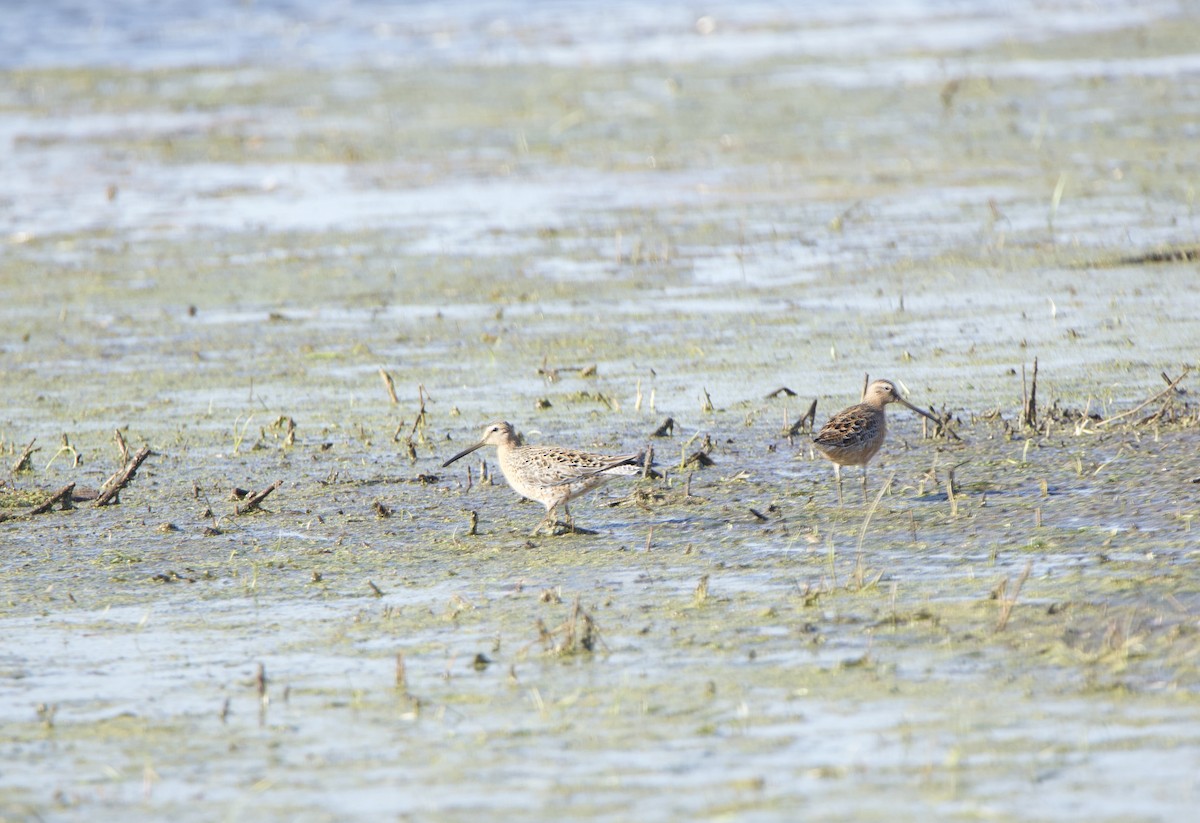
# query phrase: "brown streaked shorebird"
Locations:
[[853, 436], [551, 475]]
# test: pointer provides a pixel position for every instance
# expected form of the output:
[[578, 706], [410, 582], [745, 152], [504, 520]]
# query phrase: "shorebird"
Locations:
[[853, 436], [551, 475]]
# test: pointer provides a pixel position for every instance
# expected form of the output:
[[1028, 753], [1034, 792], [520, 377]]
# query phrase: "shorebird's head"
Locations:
[[882, 392], [497, 433]]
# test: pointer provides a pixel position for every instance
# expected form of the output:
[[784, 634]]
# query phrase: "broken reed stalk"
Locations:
[[418, 424], [421, 421], [390, 385], [63, 496], [1170, 387], [1029, 399], [807, 422], [1007, 603], [647, 462], [23, 462], [951, 489], [114, 484], [253, 501], [122, 446]]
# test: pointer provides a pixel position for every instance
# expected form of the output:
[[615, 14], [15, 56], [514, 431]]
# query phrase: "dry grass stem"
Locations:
[[122, 446], [1170, 388], [1029, 398], [389, 386], [1007, 603], [862, 531]]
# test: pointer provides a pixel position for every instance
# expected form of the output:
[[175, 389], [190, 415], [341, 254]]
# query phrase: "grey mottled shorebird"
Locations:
[[551, 475], [854, 435]]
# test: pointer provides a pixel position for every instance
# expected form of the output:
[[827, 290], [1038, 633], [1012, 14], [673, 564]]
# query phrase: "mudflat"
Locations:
[[233, 266]]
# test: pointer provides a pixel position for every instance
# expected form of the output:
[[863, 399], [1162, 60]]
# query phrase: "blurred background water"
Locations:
[[306, 32]]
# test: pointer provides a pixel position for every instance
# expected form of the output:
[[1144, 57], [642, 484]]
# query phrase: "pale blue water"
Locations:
[[183, 32], [58, 170]]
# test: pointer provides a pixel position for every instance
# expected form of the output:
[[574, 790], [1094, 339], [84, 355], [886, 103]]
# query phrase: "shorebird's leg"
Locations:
[[864, 482], [549, 521], [837, 473]]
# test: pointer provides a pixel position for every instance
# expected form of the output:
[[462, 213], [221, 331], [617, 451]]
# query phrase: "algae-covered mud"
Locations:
[[229, 245]]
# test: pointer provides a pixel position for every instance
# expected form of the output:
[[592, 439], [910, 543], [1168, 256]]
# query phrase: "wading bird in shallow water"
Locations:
[[853, 436], [551, 475]]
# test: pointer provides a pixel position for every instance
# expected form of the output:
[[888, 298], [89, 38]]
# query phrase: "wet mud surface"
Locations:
[[218, 262]]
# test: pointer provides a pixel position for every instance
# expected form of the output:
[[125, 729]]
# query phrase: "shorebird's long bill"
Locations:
[[464, 453], [921, 412]]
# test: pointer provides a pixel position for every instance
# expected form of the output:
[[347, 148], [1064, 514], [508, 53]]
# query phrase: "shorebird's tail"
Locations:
[[631, 464]]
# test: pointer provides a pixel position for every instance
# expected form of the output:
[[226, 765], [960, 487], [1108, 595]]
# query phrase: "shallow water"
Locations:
[[213, 228]]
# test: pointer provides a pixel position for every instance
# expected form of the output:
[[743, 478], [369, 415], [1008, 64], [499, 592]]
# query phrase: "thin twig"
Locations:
[[1170, 387], [1007, 603], [418, 424], [1029, 412]]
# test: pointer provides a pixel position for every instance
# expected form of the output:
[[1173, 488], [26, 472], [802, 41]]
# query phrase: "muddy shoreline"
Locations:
[[197, 256]]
